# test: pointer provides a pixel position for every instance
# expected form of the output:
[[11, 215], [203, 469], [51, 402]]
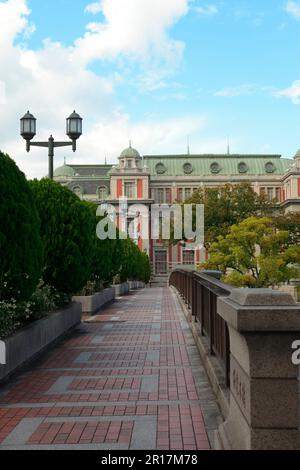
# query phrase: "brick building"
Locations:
[[169, 178]]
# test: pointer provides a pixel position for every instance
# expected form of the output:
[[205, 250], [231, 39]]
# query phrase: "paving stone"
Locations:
[[144, 435], [22, 432], [83, 357], [153, 356], [155, 339], [130, 378], [150, 384]]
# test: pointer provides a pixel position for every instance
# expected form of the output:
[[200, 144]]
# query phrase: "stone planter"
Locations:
[[92, 303], [26, 344], [121, 289], [133, 285]]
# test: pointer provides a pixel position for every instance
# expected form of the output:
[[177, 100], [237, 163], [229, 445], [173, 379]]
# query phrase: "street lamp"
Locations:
[[73, 131]]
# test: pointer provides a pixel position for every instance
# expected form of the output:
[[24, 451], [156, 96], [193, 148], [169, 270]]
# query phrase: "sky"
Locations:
[[154, 71]]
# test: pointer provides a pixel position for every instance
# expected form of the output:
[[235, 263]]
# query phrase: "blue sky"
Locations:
[[154, 71]]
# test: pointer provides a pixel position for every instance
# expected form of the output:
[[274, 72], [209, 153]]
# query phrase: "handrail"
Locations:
[[200, 291], [213, 284]]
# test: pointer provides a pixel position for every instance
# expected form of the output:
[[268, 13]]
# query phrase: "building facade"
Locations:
[[166, 179]]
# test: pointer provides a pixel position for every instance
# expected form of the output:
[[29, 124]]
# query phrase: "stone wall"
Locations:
[[26, 344], [264, 386], [92, 303]]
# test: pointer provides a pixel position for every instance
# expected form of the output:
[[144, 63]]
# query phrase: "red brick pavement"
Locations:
[[128, 363]]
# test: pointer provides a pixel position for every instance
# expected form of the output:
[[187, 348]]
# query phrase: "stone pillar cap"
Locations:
[[259, 297], [260, 310]]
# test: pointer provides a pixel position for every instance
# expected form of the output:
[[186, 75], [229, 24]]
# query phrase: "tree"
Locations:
[[144, 272], [228, 205], [67, 235], [289, 222], [135, 265], [20, 242], [254, 254], [129, 260], [106, 259]]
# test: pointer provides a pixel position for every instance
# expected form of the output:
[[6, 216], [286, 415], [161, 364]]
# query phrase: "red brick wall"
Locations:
[[119, 188], [140, 189]]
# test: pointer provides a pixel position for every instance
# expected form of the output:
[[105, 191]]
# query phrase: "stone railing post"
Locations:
[[264, 390]]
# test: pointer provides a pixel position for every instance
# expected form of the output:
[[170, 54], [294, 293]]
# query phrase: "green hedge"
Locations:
[[66, 230], [119, 257], [135, 265], [106, 258], [20, 242]]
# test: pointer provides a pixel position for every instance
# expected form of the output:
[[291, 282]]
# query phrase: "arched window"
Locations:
[[102, 193], [77, 190]]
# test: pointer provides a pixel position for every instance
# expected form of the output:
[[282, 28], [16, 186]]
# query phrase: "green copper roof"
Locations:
[[130, 152], [64, 170], [213, 165]]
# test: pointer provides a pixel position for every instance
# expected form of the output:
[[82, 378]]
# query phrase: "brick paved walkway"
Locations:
[[129, 379]]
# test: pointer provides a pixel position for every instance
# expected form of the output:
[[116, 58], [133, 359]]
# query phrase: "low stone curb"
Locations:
[[25, 345], [92, 303]]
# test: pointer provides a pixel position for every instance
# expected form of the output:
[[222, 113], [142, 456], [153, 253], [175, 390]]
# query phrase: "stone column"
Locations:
[[264, 390]]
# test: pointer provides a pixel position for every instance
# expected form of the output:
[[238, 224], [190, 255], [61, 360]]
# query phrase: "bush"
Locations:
[[66, 230], [106, 254], [128, 260], [135, 265], [20, 243], [14, 315], [145, 268], [8, 323], [118, 259], [46, 299]]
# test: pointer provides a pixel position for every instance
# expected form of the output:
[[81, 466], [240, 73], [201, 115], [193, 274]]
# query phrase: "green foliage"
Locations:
[[46, 299], [135, 265], [118, 259], [66, 230], [228, 205], [106, 257], [144, 268], [20, 243], [129, 260], [289, 222], [8, 322], [254, 254], [16, 314]]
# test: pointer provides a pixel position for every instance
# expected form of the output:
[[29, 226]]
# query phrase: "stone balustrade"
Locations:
[[264, 386]]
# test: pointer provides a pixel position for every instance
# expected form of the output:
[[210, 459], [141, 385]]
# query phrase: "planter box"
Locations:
[[121, 289], [92, 303], [133, 285], [26, 344]]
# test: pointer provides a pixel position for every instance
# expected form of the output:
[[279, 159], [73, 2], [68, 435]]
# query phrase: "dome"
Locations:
[[64, 170], [130, 153], [297, 154]]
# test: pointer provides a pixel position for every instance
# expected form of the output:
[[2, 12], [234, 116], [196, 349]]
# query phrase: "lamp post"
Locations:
[[73, 131]]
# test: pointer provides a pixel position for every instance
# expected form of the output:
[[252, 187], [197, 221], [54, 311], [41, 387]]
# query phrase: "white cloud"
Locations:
[[93, 8], [292, 92], [206, 10], [55, 79], [230, 92], [2, 93], [136, 29], [293, 9], [149, 135]]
